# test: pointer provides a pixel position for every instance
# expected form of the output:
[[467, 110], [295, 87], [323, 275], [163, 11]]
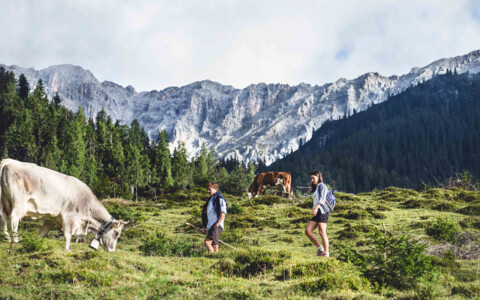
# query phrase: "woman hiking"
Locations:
[[320, 214]]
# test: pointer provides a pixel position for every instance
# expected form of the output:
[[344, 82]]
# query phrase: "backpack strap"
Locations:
[[329, 206]]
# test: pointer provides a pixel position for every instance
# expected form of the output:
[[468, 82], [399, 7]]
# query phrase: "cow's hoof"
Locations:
[[7, 238]]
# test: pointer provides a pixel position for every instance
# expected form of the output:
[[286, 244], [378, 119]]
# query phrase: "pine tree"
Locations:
[[180, 167], [76, 149], [201, 167], [163, 161], [23, 87]]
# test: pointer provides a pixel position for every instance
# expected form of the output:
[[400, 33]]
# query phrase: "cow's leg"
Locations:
[[46, 228], [3, 224], [14, 220], [67, 230], [261, 190], [4, 221], [68, 239]]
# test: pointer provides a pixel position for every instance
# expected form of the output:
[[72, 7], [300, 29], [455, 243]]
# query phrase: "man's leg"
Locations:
[[208, 243], [215, 248]]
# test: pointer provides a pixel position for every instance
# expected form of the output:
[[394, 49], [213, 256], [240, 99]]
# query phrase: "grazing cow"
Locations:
[[264, 181], [28, 190]]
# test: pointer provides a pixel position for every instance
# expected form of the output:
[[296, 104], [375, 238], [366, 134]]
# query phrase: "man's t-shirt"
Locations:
[[212, 214]]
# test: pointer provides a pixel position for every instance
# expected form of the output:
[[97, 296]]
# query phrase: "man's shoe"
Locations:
[[325, 254]]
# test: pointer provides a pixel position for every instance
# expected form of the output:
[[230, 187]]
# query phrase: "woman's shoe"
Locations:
[[324, 254]]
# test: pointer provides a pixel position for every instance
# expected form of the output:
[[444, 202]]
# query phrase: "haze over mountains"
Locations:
[[265, 121]]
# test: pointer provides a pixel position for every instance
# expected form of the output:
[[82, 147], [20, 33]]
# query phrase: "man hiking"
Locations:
[[213, 216]]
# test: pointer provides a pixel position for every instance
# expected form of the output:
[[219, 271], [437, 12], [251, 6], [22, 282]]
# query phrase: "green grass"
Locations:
[[160, 257]]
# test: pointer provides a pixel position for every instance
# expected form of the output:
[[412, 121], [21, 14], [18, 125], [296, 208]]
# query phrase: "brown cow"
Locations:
[[264, 181]]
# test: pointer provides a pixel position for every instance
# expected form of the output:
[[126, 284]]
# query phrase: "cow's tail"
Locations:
[[3, 213], [2, 164]]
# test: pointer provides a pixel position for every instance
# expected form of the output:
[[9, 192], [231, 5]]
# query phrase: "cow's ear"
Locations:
[[119, 223], [116, 224]]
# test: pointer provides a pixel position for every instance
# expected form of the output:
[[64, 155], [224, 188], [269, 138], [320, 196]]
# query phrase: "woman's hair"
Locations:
[[313, 186], [212, 185]]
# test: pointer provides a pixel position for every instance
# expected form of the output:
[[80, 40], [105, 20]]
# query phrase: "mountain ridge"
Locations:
[[260, 121]]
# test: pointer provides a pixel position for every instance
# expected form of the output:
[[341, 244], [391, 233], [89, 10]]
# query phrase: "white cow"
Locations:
[[28, 190]]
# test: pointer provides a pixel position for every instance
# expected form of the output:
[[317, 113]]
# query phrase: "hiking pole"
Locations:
[[191, 225]]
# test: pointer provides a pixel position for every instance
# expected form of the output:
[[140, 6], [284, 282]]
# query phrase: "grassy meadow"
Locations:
[[392, 243]]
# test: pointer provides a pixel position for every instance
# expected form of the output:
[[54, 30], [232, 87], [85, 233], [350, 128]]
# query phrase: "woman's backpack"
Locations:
[[330, 200]]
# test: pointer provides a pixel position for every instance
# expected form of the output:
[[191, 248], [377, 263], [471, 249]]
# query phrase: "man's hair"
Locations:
[[212, 185]]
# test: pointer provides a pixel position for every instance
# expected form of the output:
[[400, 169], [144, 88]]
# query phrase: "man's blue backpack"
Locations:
[[330, 200]]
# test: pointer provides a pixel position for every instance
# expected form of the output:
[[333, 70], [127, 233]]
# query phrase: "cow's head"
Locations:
[[109, 239], [249, 195]]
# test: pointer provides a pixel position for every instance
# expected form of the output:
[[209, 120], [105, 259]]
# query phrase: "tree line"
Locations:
[[426, 134], [115, 160]]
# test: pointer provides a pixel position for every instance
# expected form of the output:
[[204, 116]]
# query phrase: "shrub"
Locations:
[[346, 197], [307, 203], [472, 210], [443, 229], [33, 242], [160, 244], [125, 213], [270, 199], [348, 278], [234, 208], [431, 286], [345, 207], [375, 214], [225, 267], [256, 261], [306, 269], [352, 232], [466, 289], [383, 208], [348, 233], [445, 206], [392, 260], [293, 212], [355, 214], [413, 203], [470, 222], [232, 235]]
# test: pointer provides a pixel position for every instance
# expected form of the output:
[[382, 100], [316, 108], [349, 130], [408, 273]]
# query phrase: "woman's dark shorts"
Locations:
[[214, 234], [320, 218]]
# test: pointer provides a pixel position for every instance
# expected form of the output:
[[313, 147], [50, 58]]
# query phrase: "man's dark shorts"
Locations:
[[214, 234], [320, 218]]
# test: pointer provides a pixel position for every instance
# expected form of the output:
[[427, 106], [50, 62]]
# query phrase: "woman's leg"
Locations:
[[309, 232], [322, 228]]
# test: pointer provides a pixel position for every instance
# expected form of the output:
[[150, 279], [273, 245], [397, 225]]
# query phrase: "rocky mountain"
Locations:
[[265, 121]]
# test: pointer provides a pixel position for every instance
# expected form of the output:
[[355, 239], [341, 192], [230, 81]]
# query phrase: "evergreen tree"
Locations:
[[163, 162], [23, 87], [181, 168]]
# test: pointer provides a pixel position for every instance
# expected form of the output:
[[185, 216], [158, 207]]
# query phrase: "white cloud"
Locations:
[[155, 44]]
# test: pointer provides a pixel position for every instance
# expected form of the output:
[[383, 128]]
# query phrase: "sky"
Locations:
[[155, 44]]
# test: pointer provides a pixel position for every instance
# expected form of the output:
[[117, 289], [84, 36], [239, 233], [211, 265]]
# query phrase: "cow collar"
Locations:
[[104, 227]]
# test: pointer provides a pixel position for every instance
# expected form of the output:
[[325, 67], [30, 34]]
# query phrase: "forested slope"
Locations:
[[427, 133]]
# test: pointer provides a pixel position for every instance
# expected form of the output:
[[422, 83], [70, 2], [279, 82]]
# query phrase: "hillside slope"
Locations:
[[160, 257]]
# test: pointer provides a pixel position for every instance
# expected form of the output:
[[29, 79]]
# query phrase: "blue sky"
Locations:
[[156, 44]]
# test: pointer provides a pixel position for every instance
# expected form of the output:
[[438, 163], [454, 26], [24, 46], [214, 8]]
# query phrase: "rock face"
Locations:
[[265, 121]]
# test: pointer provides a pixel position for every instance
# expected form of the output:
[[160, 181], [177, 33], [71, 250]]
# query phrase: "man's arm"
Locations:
[[222, 216]]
